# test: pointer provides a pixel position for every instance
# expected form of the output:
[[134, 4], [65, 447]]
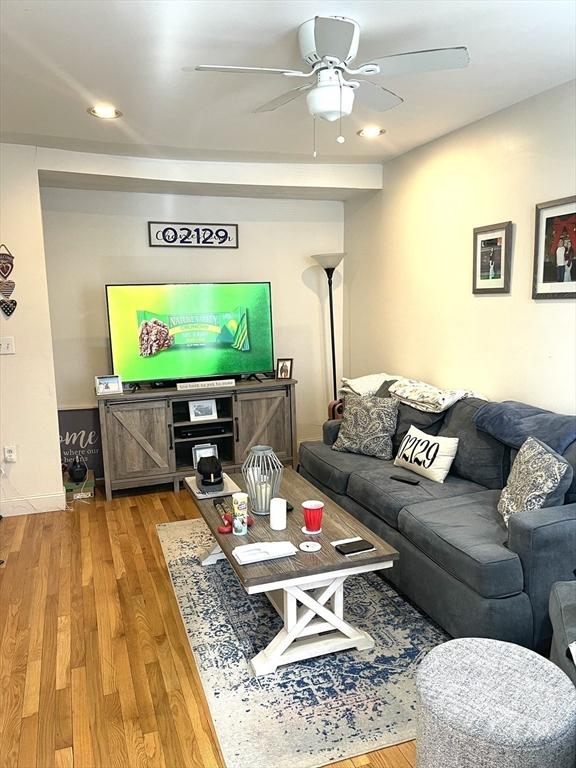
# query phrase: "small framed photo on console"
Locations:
[[284, 368], [202, 410], [108, 385]]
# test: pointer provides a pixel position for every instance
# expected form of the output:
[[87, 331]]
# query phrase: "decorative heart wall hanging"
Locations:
[[7, 288], [8, 307], [6, 261]]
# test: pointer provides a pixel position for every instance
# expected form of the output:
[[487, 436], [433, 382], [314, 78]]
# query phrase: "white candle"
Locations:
[[278, 514]]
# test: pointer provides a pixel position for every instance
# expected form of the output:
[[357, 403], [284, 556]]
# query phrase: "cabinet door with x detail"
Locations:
[[139, 439], [262, 418]]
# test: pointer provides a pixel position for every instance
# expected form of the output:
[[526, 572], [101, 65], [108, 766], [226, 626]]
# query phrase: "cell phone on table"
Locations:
[[354, 547]]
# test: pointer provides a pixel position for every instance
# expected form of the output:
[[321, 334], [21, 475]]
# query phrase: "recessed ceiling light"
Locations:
[[371, 132], [105, 111]]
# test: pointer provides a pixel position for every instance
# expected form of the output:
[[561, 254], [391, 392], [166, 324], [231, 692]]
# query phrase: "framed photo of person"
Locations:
[[284, 367], [492, 258], [555, 250]]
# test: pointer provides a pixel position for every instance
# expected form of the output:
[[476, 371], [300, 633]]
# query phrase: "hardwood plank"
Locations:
[[81, 738], [166, 726], [117, 749], [28, 742], [63, 653], [64, 758], [408, 749], [11, 700], [32, 688], [63, 733], [154, 752]]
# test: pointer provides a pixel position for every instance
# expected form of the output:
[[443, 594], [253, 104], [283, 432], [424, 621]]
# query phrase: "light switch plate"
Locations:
[[7, 346]]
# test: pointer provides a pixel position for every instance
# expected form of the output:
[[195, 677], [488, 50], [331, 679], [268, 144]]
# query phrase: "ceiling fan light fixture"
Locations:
[[330, 102], [371, 132], [104, 111]]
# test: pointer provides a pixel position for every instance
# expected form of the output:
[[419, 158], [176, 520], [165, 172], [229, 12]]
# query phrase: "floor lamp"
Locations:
[[329, 262]]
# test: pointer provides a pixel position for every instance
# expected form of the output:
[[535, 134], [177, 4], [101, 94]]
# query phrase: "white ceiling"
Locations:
[[59, 56]]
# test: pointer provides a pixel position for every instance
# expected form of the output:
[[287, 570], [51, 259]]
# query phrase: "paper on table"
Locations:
[[261, 551]]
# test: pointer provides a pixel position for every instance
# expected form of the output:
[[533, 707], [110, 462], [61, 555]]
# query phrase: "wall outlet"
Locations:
[[10, 454], [7, 346]]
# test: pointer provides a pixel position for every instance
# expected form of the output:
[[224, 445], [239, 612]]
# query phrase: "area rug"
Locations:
[[307, 714]]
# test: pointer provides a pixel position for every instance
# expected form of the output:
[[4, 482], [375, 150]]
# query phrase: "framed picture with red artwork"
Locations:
[[555, 250]]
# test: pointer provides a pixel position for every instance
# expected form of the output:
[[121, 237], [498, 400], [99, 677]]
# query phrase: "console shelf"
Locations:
[[142, 441]]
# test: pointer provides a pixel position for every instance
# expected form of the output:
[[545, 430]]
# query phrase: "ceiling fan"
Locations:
[[329, 44]]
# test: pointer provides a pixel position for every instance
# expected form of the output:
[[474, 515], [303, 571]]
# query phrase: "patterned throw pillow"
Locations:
[[427, 455], [367, 427], [539, 478]]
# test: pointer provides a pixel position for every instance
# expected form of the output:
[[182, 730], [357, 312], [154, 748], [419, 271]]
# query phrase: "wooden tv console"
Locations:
[[147, 436]]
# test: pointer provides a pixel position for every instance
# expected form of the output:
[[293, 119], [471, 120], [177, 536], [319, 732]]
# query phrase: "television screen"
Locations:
[[189, 331]]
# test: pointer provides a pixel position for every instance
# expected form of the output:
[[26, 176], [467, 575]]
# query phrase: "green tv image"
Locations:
[[190, 331]]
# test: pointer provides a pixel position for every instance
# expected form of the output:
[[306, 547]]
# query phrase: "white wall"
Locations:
[[27, 394], [409, 306], [96, 237]]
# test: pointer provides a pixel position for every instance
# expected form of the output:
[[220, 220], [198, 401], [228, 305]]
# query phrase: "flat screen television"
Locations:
[[190, 330]]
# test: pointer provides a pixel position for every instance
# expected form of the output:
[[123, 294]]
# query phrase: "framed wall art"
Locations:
[[492, 258], [554, 250]]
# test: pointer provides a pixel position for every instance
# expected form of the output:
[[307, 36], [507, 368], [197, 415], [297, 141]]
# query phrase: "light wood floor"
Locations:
[[95, 667]]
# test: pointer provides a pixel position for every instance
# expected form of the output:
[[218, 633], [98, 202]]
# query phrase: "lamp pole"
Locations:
[[329, 272], [329, 262]]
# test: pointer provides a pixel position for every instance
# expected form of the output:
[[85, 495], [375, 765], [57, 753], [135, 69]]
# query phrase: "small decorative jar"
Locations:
[[262, 473]]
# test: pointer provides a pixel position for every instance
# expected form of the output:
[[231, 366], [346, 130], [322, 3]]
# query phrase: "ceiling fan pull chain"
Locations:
[[340, 138], [314, 153]]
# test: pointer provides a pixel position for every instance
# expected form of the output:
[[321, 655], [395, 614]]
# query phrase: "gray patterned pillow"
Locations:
[[539, 478], [367, 427]]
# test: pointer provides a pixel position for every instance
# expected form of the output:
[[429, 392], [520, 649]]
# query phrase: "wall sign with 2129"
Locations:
[[167, 234]]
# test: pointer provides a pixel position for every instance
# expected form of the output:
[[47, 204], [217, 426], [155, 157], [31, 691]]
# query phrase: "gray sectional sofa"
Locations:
[[458, 561]]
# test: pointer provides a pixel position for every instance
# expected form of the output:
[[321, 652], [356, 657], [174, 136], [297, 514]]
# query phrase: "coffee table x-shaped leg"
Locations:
[[311, 628]]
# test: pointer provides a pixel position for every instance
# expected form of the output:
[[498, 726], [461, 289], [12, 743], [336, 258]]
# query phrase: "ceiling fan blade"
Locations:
[[285, 98], [423, 61], [246, 70], [333, 37], [375, 97]]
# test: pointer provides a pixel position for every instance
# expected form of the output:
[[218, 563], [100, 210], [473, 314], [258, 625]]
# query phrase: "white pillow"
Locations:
[[365, 385], [427, 455]]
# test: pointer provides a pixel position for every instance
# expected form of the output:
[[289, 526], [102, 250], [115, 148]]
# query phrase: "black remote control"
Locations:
[[404, 479]]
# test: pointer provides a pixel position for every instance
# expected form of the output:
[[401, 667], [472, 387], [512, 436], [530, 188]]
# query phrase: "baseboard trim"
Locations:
[[30, 505]]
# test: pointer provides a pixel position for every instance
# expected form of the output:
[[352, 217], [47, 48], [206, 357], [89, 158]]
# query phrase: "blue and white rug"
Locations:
[[307, 714]]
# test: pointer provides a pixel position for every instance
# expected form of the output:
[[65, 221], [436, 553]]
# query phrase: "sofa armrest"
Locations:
[[545, 541], [330, 431]]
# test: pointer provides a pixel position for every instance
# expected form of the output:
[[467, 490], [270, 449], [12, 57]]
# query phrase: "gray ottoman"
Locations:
[[489, 704], [563, 618]]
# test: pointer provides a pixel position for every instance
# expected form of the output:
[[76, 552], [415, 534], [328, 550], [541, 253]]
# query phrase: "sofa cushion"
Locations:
[[480, 458], [467, 538], [384, 497], [408, 416], [333, 468]]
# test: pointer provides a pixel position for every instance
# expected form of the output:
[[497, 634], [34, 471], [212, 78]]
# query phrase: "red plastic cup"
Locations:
[[313, 515]]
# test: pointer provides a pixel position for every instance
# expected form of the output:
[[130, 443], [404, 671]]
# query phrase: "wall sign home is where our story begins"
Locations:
[[177, 234]]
